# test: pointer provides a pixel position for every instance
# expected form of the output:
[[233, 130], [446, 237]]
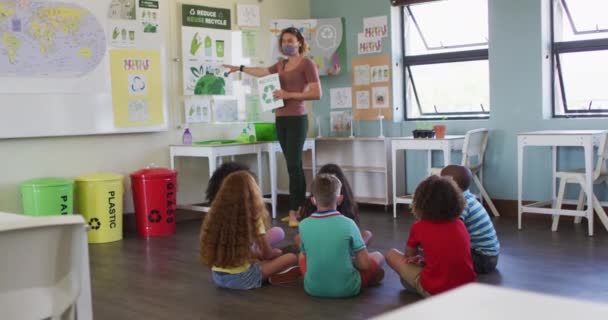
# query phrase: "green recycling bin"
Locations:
[[47, 196]]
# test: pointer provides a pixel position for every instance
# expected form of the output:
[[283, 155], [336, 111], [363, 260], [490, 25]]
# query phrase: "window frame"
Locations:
[[435, 58], [572, 46]]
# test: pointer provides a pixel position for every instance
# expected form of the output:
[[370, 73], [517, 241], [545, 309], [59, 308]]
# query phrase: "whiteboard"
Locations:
[[50, 105]]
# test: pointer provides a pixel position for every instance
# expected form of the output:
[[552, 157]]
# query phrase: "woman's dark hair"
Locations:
[[215, 182], [437, 199], [348, 207], [296, 32]]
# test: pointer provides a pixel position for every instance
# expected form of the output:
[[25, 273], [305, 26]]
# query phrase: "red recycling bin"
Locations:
[[154, 197]]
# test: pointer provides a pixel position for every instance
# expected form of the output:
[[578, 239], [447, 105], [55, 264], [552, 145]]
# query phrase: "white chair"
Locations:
[[473, 151], [44, 268], [600, 175]]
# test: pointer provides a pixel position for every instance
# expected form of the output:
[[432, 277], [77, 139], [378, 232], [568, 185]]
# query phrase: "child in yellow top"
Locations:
[[233, 241]]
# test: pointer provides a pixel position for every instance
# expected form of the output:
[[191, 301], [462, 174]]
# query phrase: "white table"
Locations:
[[272, 148], [214, 153], [84, 303], [482, 302], [554, 139], [447, 145]]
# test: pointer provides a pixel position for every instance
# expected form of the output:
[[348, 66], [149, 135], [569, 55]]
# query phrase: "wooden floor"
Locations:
[[161, 278]]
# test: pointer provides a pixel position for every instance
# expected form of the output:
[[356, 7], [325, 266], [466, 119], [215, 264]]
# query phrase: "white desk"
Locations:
[[554, 139], [84, 303], [214, 153], [447, 145], [482, 302], [272, 148]]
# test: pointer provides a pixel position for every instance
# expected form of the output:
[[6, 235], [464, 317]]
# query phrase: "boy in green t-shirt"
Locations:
[[334, 259]]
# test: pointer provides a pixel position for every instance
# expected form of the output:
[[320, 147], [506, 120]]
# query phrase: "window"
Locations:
[[446, 59], [580, 58]]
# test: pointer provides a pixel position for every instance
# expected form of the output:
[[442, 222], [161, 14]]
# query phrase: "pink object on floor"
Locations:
[[275, 235]]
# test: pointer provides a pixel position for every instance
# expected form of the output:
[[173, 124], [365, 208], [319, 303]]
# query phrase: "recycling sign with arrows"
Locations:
[[267, 85], [95, 224], [267, 94]]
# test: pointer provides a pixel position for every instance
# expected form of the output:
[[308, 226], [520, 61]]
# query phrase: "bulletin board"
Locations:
[[81, 67], [325, 38], [371, 87]]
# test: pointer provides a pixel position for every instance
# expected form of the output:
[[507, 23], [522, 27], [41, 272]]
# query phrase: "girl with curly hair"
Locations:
[[439, 231], [275, 234], [233, 236]]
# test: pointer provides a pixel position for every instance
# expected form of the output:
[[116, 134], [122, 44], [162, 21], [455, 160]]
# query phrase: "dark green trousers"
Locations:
[[291, 132]]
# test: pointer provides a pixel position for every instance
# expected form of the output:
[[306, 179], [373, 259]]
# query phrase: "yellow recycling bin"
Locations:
[[99, 197]]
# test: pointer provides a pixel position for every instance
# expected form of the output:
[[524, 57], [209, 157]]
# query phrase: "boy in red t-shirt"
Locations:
[[443, 237]]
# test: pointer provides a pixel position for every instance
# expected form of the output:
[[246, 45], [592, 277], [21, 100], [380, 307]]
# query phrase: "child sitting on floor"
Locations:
[[347, 207], [215, 182], [274, 235], [233, 241], [447, 263], [329, 242], [484, 242]]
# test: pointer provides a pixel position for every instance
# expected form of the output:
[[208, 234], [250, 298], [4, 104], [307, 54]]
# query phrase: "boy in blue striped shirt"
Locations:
[[484, 242]]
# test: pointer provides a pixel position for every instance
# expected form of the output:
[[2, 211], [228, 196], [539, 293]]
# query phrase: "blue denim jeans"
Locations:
[[250, 279]]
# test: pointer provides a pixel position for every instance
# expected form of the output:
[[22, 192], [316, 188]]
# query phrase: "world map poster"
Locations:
[[47, 38]]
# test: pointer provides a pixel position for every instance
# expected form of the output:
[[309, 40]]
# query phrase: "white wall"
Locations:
[[22, 159]]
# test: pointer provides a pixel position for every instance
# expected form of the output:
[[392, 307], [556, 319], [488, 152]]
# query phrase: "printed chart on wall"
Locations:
[[136, 73], [324, 36], [134, 25], [136, 87], [371, 90], [206, 45], [370, 40], [57, 71]]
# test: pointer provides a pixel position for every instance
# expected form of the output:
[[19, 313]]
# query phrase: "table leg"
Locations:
[[429, 162], [394, 174], [272, 167], [260, 175], [553, 172], [520, 170], [172, 159], [554, 204], [314, 160], [212, 164], [447, 155], [84, 307], [589, 182]]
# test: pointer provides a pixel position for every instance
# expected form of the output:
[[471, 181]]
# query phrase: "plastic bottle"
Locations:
[[187, 137]]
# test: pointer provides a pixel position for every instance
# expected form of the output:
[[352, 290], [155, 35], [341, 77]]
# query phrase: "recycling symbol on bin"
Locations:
[[95, 224], [267, 94], [154, 216]]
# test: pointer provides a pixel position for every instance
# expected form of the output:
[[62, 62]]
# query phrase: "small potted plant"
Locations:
[[440, 129], [423, 130]]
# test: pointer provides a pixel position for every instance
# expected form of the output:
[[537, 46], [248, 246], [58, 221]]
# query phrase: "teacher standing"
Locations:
[[299, 82]]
